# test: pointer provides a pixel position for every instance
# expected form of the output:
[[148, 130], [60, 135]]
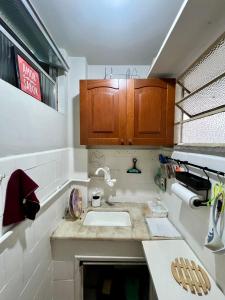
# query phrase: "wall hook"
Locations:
[[186, 167], [206, 174], [2, 177], [219, 177], [134, 169]]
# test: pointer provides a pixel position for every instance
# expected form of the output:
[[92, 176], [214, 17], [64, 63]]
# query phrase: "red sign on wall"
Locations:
[[29, 78]]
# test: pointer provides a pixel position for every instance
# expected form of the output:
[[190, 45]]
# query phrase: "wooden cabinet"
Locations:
[[103, 112], [150, 111], [127, 112]]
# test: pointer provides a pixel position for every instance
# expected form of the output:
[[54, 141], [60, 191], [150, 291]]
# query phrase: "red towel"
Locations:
[[21, 201]]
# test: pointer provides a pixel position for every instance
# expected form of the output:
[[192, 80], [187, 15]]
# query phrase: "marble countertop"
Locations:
[[74, 229]]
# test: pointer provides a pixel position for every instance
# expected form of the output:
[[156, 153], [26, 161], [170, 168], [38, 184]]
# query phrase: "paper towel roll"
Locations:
[[185, 194]]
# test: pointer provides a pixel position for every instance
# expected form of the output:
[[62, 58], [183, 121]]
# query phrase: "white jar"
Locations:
[[96, 200]]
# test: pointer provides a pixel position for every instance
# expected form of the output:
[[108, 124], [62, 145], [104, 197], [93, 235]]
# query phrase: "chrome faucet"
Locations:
[[107, 176], [108, 180]]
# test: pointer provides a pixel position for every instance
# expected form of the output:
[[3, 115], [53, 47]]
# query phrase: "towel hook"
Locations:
[[2, 177], [205, 201], [206, 174], [178, 162], [219, 177], [186, 167], [207, 191]]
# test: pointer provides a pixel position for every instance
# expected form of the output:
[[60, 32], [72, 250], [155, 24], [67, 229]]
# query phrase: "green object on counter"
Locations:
[[132, 289]]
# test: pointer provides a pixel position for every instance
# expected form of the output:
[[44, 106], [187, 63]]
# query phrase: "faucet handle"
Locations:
[[107, 169], [111, 182]]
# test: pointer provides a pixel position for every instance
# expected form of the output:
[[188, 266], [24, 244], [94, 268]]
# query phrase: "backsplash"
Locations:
[[129, 187]]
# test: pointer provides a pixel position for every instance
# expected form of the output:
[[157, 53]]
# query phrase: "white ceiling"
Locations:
[[109, 31]]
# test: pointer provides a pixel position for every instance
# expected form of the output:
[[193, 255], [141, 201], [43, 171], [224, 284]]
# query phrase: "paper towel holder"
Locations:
[[198, 203], [197, 183], [206, 170]]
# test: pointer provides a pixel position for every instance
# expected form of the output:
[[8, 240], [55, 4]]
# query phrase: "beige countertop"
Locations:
[[70, 229]]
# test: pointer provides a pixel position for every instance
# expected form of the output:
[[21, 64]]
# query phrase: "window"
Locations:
[[8, 72], [200, 99], [21, 29]]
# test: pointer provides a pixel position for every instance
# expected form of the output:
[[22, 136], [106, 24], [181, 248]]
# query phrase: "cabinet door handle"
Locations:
[[130, 141], [122, 141]]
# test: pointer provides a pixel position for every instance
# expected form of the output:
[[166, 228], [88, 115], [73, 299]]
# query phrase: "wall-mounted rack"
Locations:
[[128, 75], [204, 169], [192, 180]]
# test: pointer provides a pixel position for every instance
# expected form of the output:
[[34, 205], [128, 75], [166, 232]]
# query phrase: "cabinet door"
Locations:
[[103, 112], [150, 111]]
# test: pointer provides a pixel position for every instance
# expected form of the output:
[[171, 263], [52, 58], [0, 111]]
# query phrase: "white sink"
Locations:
[[107, 218]]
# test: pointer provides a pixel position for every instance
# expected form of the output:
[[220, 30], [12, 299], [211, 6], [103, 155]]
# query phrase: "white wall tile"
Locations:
[[13, 287], [2, 271], [26, 233], [25, 258], [28, 292], [7, 165], [63, 289], [20, 112], [13, 257], [63, 270], [1, 202], [30, 262], [3, 188], [45, 290]]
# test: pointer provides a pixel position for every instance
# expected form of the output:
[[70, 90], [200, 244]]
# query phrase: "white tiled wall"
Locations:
[[28, 125], [63, 280], [129, 187], [25, 257], [63, 289]]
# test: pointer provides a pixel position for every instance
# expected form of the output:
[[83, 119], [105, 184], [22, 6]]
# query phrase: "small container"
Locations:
[[96, 200], [157, 209]]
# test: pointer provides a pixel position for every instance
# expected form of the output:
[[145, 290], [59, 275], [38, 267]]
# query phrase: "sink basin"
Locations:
[[107, 218]]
